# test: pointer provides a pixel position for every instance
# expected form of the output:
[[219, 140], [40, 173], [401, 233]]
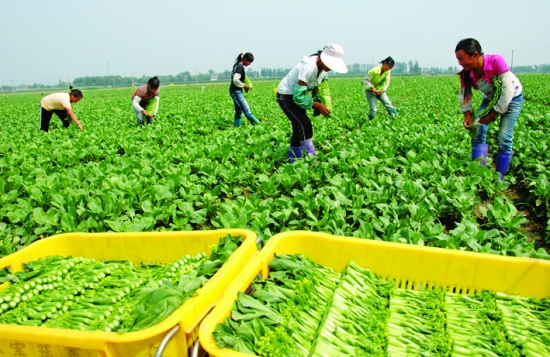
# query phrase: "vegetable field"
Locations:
[[407, 179]]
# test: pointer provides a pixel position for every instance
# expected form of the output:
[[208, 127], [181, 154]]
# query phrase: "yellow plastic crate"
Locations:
[[412, 267], [152, 247]]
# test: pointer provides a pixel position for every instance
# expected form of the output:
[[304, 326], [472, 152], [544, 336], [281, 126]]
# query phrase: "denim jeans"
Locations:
[[371, 98], [140, 118], [506, 128], [241, 106]]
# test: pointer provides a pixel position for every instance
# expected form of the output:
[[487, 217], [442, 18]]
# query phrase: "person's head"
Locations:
[[467, 52], [245, 58], [75, 94], [332, 58], [387, 63], [153, 83]]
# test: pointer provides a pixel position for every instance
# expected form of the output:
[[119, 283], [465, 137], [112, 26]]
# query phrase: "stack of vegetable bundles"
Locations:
[[84, 294], [304, 309]]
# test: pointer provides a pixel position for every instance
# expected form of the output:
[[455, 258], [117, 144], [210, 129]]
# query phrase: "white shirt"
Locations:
[[305, 71], [56, 101]]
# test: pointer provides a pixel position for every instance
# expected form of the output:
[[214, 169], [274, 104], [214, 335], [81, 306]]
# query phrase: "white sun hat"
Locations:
[[333, 57]]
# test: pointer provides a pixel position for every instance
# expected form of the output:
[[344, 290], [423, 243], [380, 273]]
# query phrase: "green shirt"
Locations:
[[374, 79]]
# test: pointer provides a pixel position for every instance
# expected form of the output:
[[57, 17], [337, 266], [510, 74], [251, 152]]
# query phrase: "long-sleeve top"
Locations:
[[307, 72], [238, 77], [56, 101], [142, 96], [375, 79], [493, 65]]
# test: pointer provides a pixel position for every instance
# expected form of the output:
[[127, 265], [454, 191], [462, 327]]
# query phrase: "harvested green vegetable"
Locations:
[[84, 294]]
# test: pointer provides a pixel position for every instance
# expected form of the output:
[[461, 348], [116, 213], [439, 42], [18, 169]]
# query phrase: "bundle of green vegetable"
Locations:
[[417, 323], [284, 312], [527, 323], [475, 326], [355, 322], [83, 294]]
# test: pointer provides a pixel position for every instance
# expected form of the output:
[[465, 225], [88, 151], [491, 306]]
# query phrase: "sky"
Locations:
[[47, 41]]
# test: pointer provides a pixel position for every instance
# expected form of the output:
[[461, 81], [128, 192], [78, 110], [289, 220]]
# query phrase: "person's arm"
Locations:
[[237, 81], [137, 107], [73, 118], [508, 84], [465, 108], [368, 82], [502, 96], [305, 102]]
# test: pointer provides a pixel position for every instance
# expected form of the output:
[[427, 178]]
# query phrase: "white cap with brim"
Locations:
[[333, 57]]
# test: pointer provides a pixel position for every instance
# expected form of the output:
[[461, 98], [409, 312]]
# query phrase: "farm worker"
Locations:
[[146, 100], [239, 81], [502, 95], [308, 76], [376, 83], [60, 104]]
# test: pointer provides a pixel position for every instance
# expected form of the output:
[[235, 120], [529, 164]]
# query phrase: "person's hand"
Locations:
[[323, 109], [144, 112], [80, 127], [467, 120], [247, 87], [488, 118]]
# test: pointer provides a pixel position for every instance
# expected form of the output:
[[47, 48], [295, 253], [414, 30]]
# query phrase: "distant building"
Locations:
[[214, 76]]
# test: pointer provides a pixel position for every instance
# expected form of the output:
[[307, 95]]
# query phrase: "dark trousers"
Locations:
[[301, 124], [46, 116]]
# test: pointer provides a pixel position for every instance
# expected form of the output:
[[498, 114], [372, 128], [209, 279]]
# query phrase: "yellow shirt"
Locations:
[[56, 101], [377, 80]]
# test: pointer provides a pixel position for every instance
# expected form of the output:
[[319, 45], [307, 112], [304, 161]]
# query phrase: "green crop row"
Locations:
[[406, 179]]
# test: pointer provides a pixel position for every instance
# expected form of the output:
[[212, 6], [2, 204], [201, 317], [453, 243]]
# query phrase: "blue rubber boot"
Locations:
[[294, 153], [480, 151], [253, 120], [308, 145], [237, 123], [503, 161]]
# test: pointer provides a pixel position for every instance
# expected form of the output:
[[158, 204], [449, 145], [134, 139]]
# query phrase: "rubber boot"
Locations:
[[237, 123], [503, 161], [308, 145], [392, 111], [294, 153], [253, 120], [480, 151]]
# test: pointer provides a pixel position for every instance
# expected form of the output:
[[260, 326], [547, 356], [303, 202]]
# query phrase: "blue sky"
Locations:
[[44, 41]]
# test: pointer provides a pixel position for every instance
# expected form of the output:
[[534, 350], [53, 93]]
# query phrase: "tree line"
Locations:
[[355, 69]]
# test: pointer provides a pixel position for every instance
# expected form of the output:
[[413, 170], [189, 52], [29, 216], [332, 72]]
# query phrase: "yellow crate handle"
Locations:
[[166, 339]]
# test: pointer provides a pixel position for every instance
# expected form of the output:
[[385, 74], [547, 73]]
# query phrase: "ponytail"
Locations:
[[389, 61], [467, 81], [243, 56], [75, 92]]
